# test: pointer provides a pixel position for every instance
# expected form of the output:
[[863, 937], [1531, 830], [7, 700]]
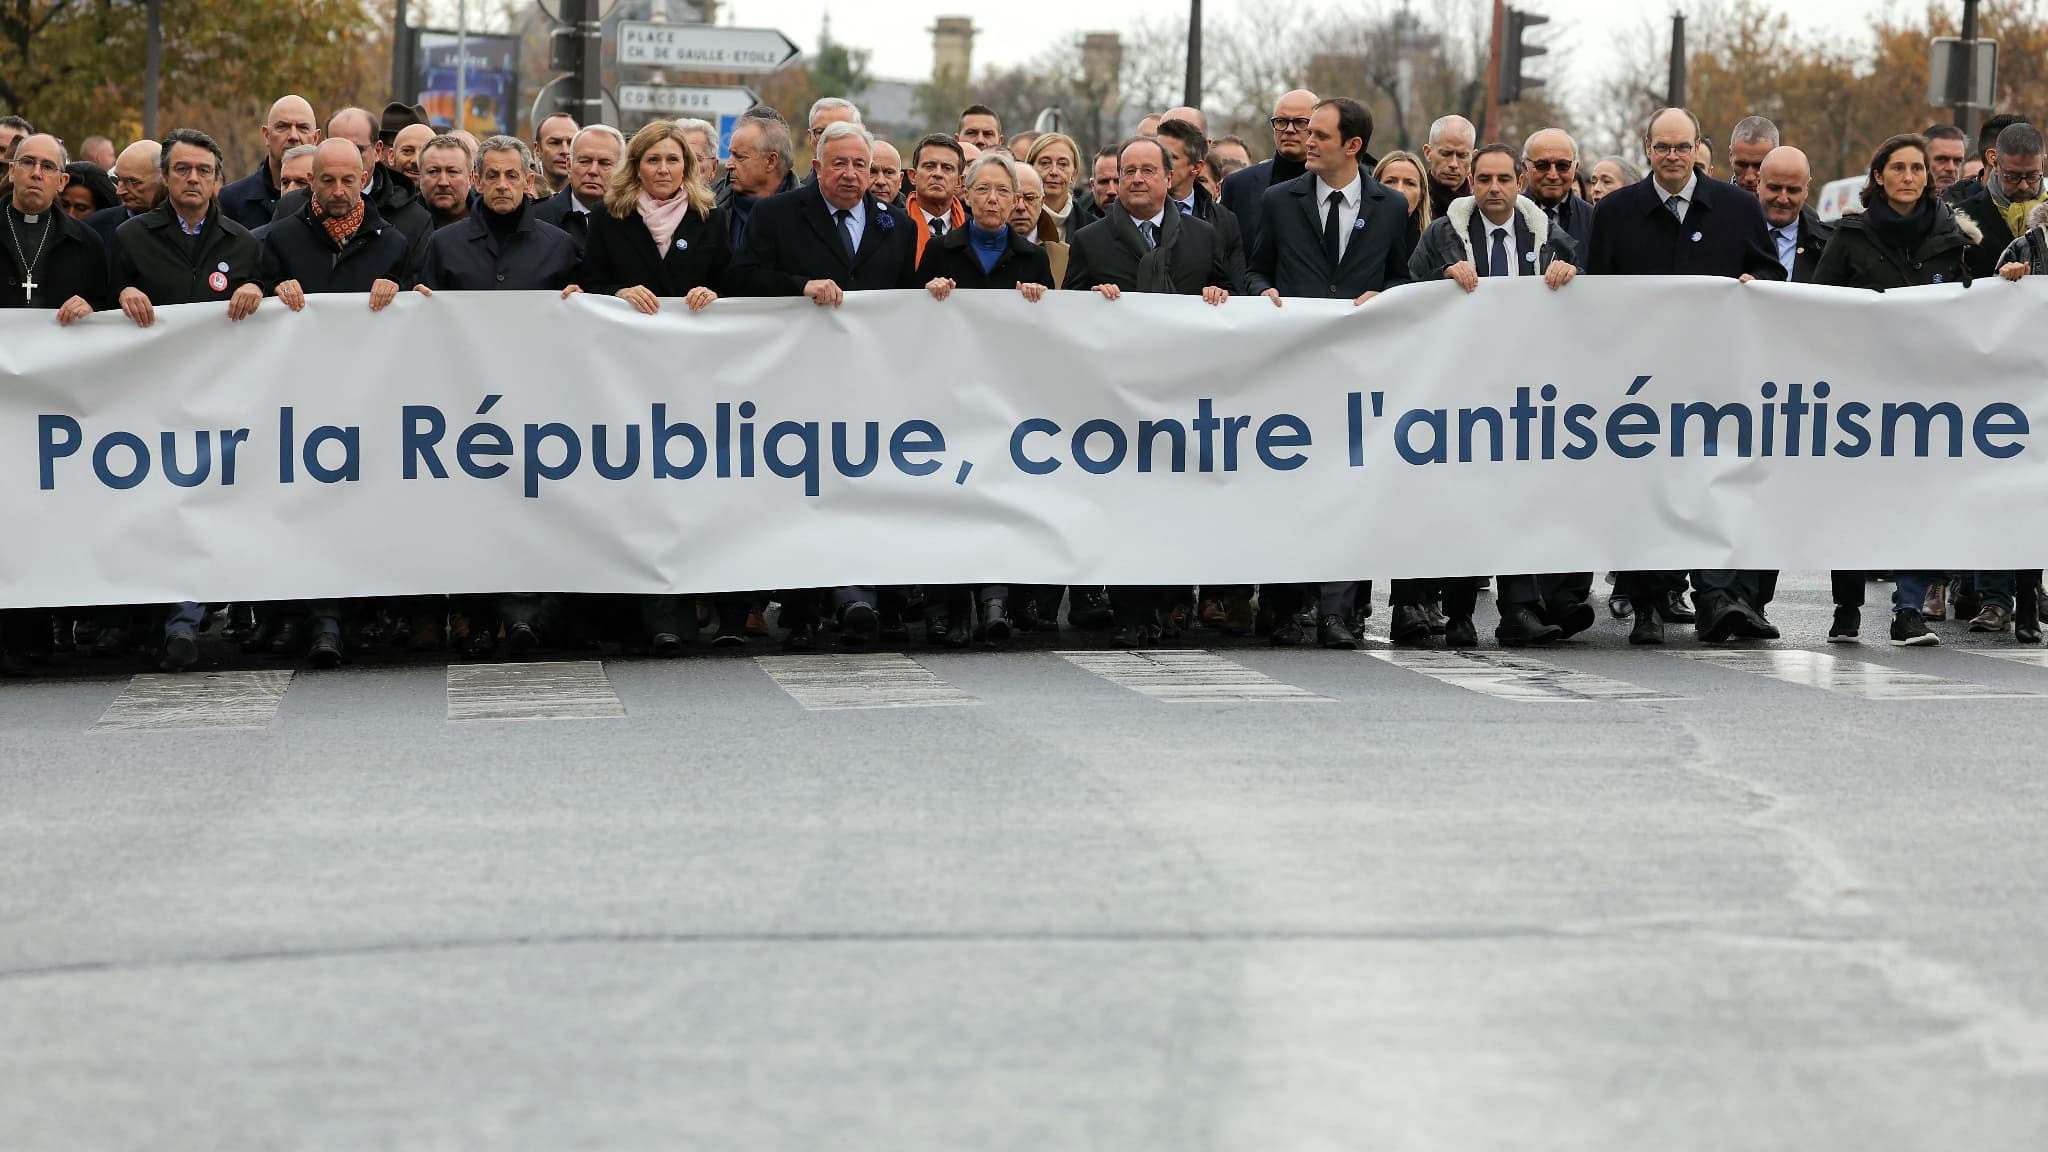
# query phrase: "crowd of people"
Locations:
[[376, 205]]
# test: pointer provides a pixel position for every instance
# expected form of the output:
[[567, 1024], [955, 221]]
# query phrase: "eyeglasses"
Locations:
[[1552, 165], [1289, 123], [129, 182], [2019, 179], [34, 165], [186, 171], [1683, 148]]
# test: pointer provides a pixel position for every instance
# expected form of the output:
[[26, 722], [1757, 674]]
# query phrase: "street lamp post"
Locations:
[[1191, 93]]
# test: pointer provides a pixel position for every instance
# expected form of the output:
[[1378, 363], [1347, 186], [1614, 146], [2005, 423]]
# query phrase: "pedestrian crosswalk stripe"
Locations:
[[1514, 677], [547, 690], [1849, 677], [197, 700], [1178, 676], [841, 681]]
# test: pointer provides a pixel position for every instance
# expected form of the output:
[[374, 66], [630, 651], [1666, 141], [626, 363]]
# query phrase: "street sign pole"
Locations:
[[1966, 108]]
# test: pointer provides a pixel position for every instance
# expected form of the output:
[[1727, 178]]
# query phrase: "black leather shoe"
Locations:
[[665, 646], [995, 624], [1572, 618], [181, 651], [1088, 608], [1671, 606], [1288, 633], [1460, 632], [15, 662], [1520, 627], [802, 636], [521, 640], [1029, 617], [287, 638], [1755, 625], [1331, 632], [1410, 624], [1721, 621], [1620, 607], [1438, 625], [857, 623], [1152, 634], [2026, 632], [1647, 630], [1127, 636], [326, 649]]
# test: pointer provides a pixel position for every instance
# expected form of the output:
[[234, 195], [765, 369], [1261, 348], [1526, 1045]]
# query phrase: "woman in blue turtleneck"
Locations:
[[986, 253]]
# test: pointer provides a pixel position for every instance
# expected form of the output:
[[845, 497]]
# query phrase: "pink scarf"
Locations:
[[662, 216]]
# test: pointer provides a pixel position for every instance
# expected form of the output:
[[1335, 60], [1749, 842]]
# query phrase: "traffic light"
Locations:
[[573, 46], [1514, 50]]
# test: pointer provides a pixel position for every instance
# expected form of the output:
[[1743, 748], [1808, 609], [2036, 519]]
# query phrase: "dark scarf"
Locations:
[[741, 212], [988, 246], [501, 225], [1155, 268], [1900, 233], [1440, 196], [1285, 169]]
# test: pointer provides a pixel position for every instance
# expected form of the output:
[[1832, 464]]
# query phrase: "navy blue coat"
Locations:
[[1245, 188], [560, 210], [252, 200], [467, 257], [1724, 234], [106, 220], [1573, 216], [1289, 252], [791, 240]]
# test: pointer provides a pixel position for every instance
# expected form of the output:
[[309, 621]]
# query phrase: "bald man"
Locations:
[[1242, 190], [1190, 115], [252, 200], [139, 185], [403, 156], [394, 195], [1783, 183]]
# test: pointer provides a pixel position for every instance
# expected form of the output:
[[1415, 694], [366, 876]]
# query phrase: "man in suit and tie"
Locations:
[[826, 238], [1243, 189], [1798, 234], [593, 153], [1678, 221], [1331, 233], [1145, 244]]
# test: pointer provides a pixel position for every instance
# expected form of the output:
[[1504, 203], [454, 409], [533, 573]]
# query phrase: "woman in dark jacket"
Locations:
[[986, 254], [1904, 238], [661, 234]]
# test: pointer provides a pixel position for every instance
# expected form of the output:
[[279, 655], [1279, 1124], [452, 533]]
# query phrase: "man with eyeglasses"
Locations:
[[1243, 190], [593, 153], [1448, 156], [139, 185], [1677, 221], [252, 200], [50, 261], [1552, 157], [2000, 203]]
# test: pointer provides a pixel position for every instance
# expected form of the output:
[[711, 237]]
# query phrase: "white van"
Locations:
[[1837, 196]]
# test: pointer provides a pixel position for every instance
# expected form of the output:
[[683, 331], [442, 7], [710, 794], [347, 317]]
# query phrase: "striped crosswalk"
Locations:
[[844, 682]]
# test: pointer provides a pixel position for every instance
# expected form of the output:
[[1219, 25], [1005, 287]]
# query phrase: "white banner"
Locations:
[[494, 442]]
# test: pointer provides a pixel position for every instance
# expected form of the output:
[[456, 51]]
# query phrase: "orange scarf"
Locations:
[[340, 228]]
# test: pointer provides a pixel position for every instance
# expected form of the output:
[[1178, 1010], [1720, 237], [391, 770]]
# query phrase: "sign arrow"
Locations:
[[703, 47], [702, 103]]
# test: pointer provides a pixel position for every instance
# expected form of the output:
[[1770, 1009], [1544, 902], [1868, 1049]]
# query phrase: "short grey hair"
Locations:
[[991, 159], [1447, 123], [1754, 130], [840, 130], [1561, 132], [705, 126], [827, 103], [617, 136], [504, 144], [296, 151], [775, 138], [451, 140]]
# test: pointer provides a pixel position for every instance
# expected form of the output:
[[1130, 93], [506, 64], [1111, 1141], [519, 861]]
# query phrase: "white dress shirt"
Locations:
[[1514, 262], [1684, 194], [856, 219], [1347, 208]]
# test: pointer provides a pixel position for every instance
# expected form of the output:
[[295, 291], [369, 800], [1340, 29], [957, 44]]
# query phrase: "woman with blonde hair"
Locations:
[[661, 233], [1404, 173], [1057, 160]]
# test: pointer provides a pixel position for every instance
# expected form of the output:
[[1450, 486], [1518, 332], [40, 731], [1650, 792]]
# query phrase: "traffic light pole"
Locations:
[[582, 15], [1966, 108], [1491, 118]]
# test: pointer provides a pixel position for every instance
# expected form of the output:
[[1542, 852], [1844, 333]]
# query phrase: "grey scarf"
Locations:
[[1155, 268]]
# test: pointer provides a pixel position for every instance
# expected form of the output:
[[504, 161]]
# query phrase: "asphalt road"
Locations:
[[1229, 897]]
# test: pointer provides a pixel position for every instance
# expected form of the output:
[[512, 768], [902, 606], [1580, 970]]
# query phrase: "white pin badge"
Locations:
[[1528, 257], [682, 245], [1695, 237], [221, 267]]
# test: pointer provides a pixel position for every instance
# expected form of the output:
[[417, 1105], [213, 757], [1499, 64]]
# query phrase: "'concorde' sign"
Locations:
[[703, 47]]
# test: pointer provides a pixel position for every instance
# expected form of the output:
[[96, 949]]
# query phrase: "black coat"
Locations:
[[1245, 189], [1981, 210], [252, 200], [1229, 233], [73, 263], [1855, 258], [621, 254], [1814, 234], [105, 221], [951, 256], [395, 197], [1110, 251], [151, 252], [1572, 215], [1460, 235], [560, 210], [791, 241], [1289, 253], [298, 248], [1724, 234], [467, 257]]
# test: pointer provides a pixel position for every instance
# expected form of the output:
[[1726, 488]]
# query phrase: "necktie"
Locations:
[[1498, 263], [845, 219], [1147, 230], [1186, 209], [1677, 206], [1331, 248], [938, 225]]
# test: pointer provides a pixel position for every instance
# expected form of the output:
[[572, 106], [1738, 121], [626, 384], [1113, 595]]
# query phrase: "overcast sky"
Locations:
[[1580, 35]]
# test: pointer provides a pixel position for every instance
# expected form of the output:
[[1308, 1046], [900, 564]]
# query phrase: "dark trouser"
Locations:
[[1748, 586], [1340, 598], [1847, 588], [1458, 593], [842, 598], [536, 610], [1647, 587], [1140, 603], [1546, 593], [1994, 587]]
